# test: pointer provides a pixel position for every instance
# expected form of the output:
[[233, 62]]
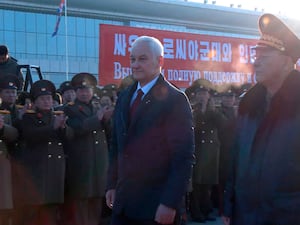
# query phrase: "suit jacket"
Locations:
[[152, 155]]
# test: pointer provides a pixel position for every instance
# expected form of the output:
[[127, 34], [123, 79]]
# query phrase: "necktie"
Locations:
[[136, 102]]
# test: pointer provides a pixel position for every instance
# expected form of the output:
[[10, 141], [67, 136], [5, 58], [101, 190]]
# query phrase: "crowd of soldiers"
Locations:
[[55, 143]]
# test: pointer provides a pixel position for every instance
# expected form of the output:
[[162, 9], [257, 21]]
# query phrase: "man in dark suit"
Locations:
[[152, 146]]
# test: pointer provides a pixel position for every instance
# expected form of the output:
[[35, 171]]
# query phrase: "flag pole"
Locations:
[[67, 49]]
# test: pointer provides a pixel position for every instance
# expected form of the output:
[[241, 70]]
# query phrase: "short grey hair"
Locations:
[[155, 44]]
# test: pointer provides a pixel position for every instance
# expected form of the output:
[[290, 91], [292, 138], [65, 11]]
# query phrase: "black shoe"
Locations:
[[198, 220], [210, 218]]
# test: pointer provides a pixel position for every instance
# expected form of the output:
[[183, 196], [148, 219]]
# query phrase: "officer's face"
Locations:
[[202, 97], [8, 96], [268, 65], [84, 95], [44, 102], [69, 96], [144, 63]]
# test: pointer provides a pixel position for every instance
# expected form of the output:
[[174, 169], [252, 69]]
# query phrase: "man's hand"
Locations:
[[110, 197], [165, 215]]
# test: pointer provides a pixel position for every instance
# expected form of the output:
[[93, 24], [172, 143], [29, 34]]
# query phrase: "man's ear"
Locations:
[[161, 61]]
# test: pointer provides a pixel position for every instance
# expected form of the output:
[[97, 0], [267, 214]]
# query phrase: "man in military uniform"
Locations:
[[264, 186], [87, 154], [43, 133], [208, 122], [9, 65], [67, 92], [228, 108], [8, 136]]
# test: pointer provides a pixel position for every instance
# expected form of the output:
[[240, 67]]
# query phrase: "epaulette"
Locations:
[[70, 103], [58, 112], [4, 111], [30, 111], [19, 106]]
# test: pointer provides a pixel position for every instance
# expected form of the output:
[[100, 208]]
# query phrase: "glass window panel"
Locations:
[[52, 45], [40, 23], [9, 40], [1, 21], [90, 28], [31, 43], [42, 44], [81, 48], [51, 22], [20, 42], [20, 21], [90, 47], [30, 22], [72, 46], [61, 45], [71, 26], [80, 27], [9, 20]]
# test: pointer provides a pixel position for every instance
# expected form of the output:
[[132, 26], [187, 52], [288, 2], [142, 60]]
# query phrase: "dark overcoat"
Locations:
[[264, 184], [207, 146], [8, 134], [87, 152], [42, 160], [151, 156]]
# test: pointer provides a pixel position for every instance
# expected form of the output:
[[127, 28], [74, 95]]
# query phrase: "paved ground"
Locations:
[[217, 222]]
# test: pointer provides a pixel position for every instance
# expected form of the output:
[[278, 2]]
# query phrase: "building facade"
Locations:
[[27, 27]]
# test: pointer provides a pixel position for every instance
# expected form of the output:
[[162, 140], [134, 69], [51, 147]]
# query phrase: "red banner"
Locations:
[[188, 57]]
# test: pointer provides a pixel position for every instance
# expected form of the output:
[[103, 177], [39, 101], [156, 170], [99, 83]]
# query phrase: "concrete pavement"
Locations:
[[217, 222]]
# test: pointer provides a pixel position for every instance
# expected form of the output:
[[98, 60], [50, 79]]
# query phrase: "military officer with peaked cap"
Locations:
[[264, 185], [8, 136], [67, 92], [207, 122], [87, 154], [43, 133]]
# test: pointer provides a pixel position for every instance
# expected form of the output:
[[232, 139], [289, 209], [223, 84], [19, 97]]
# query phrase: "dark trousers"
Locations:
[[82, 212], [200, 201], [6, 217], [42, 214], [121, 219]]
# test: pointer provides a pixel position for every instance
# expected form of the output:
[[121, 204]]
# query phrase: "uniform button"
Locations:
[[203, 141], [0, 141], [95, 132], [203, 132], [211, 141], [211, 131], [49, 143], [104, 141], [40, 121], [96, 142], [103, 131], [49, 156], [202, 122], [59, 156], [59, 143]]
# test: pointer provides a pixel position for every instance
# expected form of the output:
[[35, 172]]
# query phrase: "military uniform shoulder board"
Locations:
[[58, 112], [71, 103], [29, 111], [4, 111]]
